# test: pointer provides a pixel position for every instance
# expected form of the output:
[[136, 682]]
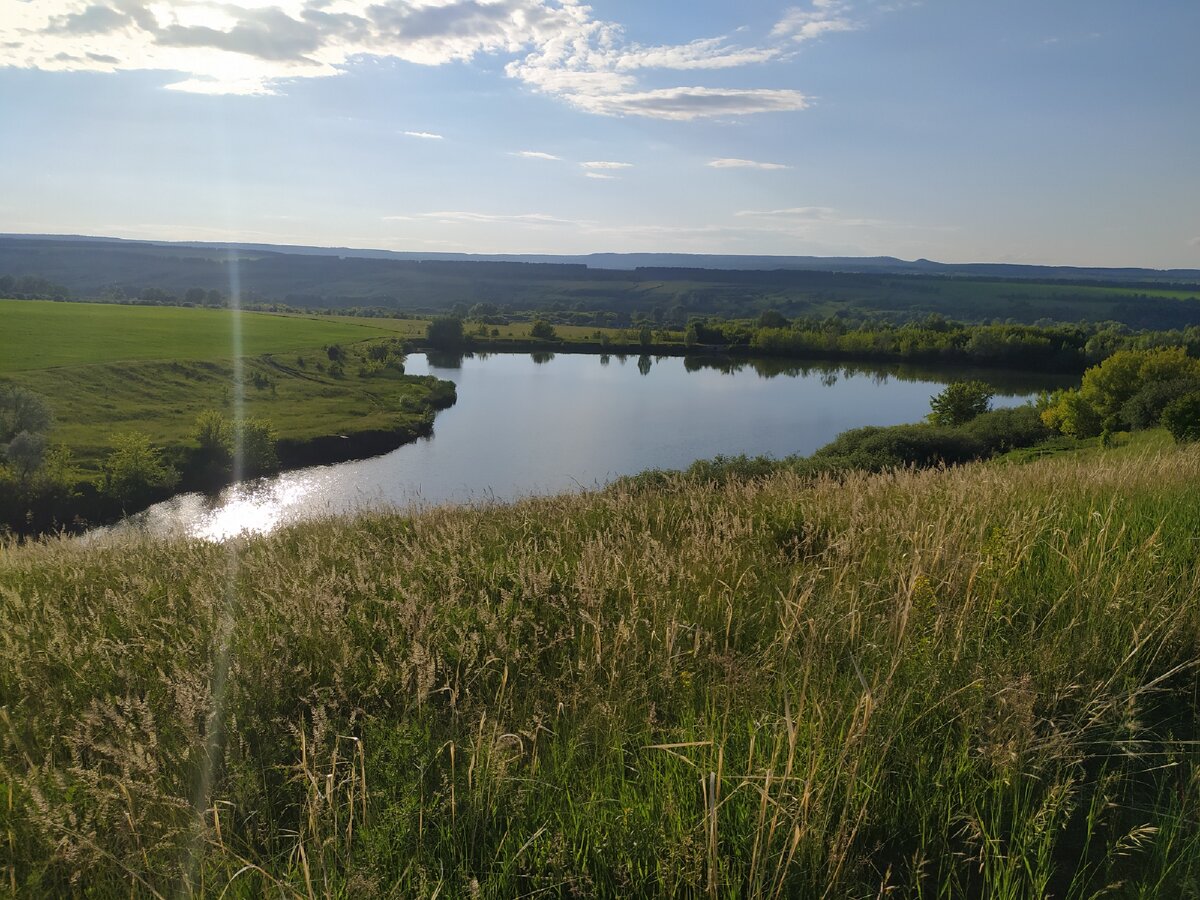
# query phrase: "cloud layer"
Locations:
[[555, 47]]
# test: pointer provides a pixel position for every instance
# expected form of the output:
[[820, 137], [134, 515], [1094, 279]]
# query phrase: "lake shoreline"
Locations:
[[92, 510], [560, 423]]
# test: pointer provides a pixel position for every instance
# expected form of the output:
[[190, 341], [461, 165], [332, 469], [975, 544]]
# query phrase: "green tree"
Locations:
[[134, 472], [1145, 408], [772, 318], [245, 449], [22, 410], [542, 330], [24, 453], [1117, 380], [445, 332], [214, 433], [41, 499], [1069, 412], [1182, 418], [960, 402], [258, 447]]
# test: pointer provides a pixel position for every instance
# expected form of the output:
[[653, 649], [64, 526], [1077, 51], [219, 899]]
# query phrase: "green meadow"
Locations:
[[107, 369], [38, 334]]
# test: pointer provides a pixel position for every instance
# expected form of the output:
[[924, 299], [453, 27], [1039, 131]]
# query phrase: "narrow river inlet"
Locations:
[[538, 424]]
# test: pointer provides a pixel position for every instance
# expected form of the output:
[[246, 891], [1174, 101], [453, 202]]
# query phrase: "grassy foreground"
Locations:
[[975, 682]]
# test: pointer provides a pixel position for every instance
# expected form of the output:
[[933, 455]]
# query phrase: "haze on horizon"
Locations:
[[1060, 134]]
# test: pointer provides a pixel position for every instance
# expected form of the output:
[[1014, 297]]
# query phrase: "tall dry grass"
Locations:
[[977, 682]]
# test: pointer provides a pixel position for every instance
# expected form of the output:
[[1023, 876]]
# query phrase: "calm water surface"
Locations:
[[533, 425]]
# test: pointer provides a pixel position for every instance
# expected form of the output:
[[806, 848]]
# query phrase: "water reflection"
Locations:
[[560, 422], [1005, 382], [450, 359]]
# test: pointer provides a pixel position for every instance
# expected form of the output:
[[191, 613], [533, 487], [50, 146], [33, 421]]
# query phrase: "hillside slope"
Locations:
[[665, 291], [976, 682]]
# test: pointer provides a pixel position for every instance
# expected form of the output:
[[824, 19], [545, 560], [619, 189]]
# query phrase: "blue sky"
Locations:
[[958, 130]]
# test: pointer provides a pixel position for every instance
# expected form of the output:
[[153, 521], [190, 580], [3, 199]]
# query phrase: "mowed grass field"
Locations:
[[108, 369], [37, 334]]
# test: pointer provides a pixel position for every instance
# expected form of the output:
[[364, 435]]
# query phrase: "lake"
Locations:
[[544, 423]]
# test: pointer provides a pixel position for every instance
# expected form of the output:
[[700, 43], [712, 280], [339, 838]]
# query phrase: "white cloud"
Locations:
[[687, 103], [456, 217], [604, 164], [793, 212], [537, 154], [821, 18], [808, 215], [555, 47], [600, 175], [733, 163], [708, 53], [425, 135]]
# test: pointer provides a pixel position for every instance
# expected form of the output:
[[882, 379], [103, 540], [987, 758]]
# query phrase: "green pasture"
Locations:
[[38, 334], [108, 369], [92, 404]]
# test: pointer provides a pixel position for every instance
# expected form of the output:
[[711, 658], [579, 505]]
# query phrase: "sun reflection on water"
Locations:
[[251, 509]]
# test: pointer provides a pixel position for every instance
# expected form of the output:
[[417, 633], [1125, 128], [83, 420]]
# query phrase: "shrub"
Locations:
[[1145, 408], [221, 441], [720, 469], [1001, 430], [214, 434], [542, 330], [1182, 418], [875, 448], [258, 440], [134, 472], [1072, 414], [960, 402], [40, 499]]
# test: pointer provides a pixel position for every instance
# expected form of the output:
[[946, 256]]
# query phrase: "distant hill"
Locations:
[[886, 265], [599, 289]]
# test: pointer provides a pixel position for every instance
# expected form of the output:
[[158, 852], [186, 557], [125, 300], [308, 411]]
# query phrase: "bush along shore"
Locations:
[[978, 681], [42, 491]]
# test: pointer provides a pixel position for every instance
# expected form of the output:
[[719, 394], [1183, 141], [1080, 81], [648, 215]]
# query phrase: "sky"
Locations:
[[1026, 131]]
